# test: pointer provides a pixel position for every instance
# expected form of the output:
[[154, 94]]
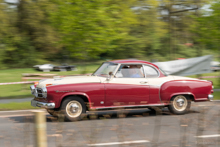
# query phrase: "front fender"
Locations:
[[75, 93]]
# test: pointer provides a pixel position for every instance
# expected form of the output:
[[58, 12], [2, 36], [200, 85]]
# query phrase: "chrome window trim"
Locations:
[[116, 69], [153, 68], [128, 64]]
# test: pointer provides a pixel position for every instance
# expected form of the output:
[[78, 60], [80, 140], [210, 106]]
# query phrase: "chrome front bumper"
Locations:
[[42, 104], [210, 96]]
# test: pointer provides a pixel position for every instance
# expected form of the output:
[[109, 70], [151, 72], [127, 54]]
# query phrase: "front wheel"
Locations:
[[73, 108], [179, 104]]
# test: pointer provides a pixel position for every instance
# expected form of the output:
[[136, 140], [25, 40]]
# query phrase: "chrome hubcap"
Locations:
[[74, 109], [180, 103]]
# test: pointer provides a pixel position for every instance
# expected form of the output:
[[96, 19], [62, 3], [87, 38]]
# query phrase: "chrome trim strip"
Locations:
[[153, 68], [42, 104], [116, 69], [129, 106], [32, 87], [201, 99]]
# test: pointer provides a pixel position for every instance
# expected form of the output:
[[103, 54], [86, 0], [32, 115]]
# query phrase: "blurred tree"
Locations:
[[91, 28], [209, 27], [33, 22], [178, 14], [55, 30]]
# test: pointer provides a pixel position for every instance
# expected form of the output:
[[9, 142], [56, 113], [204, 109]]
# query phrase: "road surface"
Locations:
[[141, 127]]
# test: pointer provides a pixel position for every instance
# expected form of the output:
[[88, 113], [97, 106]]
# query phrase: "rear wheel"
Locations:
[[179, 104], [73, 108]]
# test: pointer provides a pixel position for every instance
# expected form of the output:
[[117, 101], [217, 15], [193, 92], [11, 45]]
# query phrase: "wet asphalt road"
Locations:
[[140, 127]]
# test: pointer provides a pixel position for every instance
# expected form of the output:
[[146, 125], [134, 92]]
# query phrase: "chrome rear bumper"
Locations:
[[42, 104], [210, 96]]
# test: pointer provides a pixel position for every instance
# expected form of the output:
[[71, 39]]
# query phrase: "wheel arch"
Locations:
[[189, 95], [84, 97]]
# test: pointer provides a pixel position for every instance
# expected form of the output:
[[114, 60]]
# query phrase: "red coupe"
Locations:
[[119, 84]]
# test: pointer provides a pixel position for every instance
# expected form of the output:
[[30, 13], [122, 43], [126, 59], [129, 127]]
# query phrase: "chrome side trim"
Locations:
[[210, 96], [42, 104], [133, 106]]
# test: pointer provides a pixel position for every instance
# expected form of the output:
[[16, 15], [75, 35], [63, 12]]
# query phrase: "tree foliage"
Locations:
[[36, 31]]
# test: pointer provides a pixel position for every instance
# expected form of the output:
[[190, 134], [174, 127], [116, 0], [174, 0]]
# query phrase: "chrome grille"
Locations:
[[38, 92]]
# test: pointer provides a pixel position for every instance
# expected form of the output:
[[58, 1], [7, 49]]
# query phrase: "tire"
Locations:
[[179, 104], [73, 109]]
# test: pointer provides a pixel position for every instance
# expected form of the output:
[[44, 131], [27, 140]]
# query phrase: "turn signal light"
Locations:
[[35, 83], [48, 85]]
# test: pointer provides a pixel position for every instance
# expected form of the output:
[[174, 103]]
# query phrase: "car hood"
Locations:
[[68, 80]]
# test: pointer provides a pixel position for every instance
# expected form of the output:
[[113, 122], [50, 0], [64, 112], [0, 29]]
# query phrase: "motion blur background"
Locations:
[[86, 33], [38, 31]]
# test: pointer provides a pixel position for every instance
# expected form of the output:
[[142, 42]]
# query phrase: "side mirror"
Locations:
[[110, 76], [110, 73]]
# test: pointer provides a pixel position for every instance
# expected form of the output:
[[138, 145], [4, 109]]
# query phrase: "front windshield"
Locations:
[[105, 69]]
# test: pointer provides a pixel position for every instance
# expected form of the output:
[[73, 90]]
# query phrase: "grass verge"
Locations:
[[16, 106]]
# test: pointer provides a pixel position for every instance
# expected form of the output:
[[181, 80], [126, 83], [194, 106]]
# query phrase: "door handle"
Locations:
[[143, 82]]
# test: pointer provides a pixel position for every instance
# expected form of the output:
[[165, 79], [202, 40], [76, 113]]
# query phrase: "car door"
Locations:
[[154, 81], [127, 88]]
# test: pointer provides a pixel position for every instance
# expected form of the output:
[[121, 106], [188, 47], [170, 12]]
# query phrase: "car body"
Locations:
[[120, 84], [44, 67]]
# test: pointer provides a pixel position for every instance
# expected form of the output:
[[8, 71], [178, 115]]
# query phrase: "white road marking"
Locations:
[[208, 136], [116, 143]]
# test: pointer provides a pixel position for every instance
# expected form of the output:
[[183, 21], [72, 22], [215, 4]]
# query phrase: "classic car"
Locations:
[[119, 84], [44, 67], [64, 67]]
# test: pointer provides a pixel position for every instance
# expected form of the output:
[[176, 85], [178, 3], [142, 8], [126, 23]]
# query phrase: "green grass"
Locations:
[[216, 81], [16, 106], [22, 90], [216, 95]]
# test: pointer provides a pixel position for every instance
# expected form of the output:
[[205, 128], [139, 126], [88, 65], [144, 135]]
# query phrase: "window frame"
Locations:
[[129, 64], [158, 73]]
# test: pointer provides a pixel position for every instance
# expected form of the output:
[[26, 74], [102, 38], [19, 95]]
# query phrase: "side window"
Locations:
[[150, 72], [130, 71]]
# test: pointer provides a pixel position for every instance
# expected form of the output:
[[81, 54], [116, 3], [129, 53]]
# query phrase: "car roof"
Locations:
[[133, 61]]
